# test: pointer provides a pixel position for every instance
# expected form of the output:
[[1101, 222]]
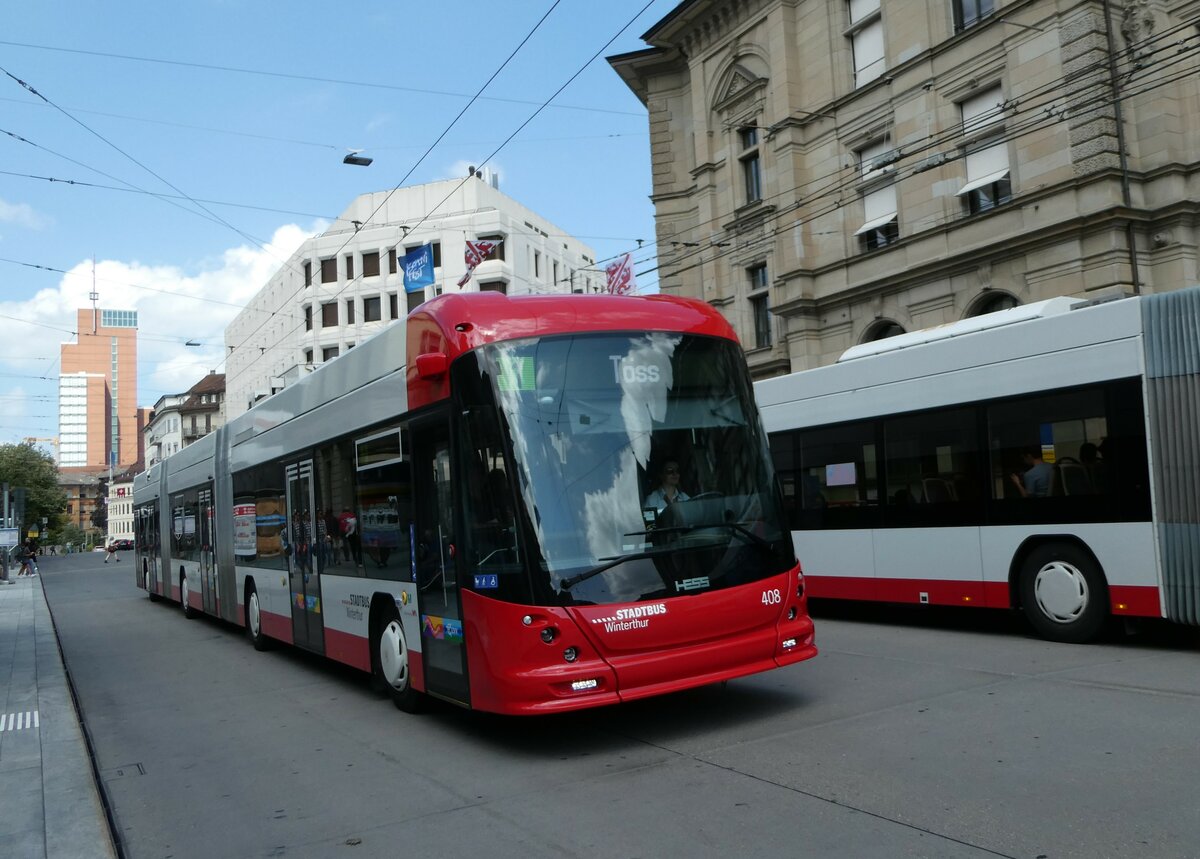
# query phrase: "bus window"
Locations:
[[839, 477], [932, 468], [1048, 446], [384, 496]]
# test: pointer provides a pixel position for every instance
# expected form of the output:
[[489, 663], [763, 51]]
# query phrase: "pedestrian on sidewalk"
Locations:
[[28, 560], [111, 552]]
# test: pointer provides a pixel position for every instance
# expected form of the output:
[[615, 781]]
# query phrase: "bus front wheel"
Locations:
[[391, 664], [1063, 593]]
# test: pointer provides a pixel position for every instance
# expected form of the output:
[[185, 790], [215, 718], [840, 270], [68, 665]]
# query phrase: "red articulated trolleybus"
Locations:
[[465, 506]]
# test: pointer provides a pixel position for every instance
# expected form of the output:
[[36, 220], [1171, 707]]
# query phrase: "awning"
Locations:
[[976, 184], [875, 224]]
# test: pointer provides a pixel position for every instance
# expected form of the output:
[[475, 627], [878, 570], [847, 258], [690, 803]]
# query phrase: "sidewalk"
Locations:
[[49, 805]]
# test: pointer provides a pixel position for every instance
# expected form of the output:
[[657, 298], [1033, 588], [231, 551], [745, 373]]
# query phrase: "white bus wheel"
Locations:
[[394, 672], [1063, 593], [254, 621], [188, 611]]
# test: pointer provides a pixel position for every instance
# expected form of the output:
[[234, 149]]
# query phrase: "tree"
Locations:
[[23, 465]]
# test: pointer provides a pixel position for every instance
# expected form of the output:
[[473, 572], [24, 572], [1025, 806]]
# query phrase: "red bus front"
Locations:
[[620, 531]]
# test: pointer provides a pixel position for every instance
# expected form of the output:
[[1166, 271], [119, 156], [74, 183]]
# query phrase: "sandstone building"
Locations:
[[830, 172]]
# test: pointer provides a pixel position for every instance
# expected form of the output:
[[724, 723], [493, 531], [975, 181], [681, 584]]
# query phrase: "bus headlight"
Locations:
[[570, 654]]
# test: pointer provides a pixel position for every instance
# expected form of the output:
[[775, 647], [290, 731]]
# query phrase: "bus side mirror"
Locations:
[[431, 365]]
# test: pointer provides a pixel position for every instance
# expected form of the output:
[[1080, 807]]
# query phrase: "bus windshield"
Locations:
[[613, 468]]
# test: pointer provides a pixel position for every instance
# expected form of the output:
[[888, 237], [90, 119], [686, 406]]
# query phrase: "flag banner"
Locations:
[[620, 276], [476, 253], [418, 269]]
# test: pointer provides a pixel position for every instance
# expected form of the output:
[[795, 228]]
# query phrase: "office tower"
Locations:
[[97, 409]]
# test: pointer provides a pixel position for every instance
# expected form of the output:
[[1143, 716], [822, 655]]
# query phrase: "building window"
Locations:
[[498, 251], [329, 270], [760, 310], [392, 261], [993, 303], [329, 316], [329, 353], [751, 164], [308, 272], [371, 264], [494, 286], [308, 353], [414, 299], [880, 226], [988, 184], [350, 311], [537, 264], [968, 13], [393, 309], [371, 309], [349, 266], [308, 317], [882, 330], [866, 40], [758, 277]]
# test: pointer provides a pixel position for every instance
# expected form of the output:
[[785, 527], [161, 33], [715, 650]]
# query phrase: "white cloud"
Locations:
[[21, 214], [173, 307]]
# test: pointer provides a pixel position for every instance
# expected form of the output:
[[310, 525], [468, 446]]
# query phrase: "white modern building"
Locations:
[[347, 283], [73, 391], [120, 508], [164, 430]]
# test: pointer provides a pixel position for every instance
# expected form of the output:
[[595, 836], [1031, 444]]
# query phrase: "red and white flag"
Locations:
[[620, 276], [476, 253]]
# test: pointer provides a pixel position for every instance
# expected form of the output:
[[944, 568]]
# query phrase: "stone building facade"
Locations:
[[830, 172]]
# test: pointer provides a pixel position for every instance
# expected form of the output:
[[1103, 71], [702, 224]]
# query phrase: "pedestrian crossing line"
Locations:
[[19, 721]]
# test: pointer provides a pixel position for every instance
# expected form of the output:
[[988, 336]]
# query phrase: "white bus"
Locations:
[[1044, 458]]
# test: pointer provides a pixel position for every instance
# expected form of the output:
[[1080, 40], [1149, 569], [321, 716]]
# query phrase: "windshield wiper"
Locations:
[[737, 527], [571, 581]]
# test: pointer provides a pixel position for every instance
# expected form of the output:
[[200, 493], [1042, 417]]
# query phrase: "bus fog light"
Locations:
[[789, 643], [548, 634], [584, 685], [800, 589], [570, 654], [792, 613], [527, 620]]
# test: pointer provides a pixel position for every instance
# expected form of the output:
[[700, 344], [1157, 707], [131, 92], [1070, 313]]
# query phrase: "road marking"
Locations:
[[20, 721]]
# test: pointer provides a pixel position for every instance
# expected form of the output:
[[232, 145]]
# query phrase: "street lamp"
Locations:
[[356, 159]]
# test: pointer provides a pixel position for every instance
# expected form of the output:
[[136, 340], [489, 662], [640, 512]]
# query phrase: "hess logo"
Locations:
[[630, 373]]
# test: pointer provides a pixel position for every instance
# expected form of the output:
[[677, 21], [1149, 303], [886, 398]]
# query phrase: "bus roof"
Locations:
[[1023, 313], [452, 325]]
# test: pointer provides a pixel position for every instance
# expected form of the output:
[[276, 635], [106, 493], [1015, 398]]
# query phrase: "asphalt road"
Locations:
[[933, 735]]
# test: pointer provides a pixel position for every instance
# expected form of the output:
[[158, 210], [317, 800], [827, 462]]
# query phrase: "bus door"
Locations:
[[151, 549], [209, 589], [308, 628], [442, 645]]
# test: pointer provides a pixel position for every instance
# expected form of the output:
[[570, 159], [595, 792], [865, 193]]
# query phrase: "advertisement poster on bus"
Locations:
[[245, 530]]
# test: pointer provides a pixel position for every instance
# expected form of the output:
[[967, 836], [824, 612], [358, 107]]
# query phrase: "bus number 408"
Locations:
[[772, 597]]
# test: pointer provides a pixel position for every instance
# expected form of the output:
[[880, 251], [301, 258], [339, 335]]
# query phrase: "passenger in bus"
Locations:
[[349, 526], [334, 531], [1097, 468], [668, 491], [1035, 481]]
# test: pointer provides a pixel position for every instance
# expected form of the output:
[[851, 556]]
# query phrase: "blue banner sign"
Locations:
[[418, 268]]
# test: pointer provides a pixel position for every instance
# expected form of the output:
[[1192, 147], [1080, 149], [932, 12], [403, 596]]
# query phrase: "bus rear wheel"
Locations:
[[188, 611], [391, 664], [254, 621], [1063, 593]]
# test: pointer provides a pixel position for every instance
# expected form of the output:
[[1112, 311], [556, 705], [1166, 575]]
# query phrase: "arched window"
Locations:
[[992, 303], [883, 329]]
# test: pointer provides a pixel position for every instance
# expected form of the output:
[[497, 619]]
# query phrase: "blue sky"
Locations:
[[147, 101]]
